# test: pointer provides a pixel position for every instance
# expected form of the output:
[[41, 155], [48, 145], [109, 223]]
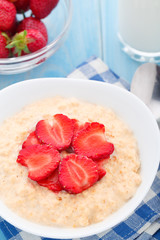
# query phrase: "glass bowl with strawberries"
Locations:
[[31, 31]]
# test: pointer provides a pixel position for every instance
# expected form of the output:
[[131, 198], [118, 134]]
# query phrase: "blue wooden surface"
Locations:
[[93, 31]]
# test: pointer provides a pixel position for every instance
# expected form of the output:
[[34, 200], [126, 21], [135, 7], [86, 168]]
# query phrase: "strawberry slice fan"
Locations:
[[143, 224], [84, 143]]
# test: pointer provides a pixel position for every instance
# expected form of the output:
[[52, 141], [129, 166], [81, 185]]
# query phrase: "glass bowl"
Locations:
[[57, 24]]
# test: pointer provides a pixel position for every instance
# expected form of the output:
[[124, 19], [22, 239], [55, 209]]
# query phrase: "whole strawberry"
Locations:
[[13, 30], [7, 15], [4, 52], [33, 23], [42, 9], [26, 42], [21, 5]]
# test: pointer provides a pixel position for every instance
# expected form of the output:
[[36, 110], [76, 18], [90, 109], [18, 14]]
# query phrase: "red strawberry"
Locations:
[[28, 41], [91, 142], [31, 140], [59, 134], [77, 173], [7, 15], [33, 23], [42, 9], [41, 161], [78, 126], [21, 5], [101, 172], [100, 165], [13, 30], [4, 52], [52, 182]]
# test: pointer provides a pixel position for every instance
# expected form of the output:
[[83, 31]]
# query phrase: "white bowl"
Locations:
[[126, 105]]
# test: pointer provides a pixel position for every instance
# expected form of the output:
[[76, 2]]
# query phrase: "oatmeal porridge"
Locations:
[[41, 205]]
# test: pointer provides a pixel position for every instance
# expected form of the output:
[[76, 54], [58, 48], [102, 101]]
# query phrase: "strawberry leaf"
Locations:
[[26, 50], [19, 43]]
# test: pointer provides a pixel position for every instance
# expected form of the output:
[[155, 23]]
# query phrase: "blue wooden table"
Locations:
[[93, 31]]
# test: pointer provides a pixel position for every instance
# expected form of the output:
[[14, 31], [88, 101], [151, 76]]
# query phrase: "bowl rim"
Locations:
[[66, 233], [49, 46]]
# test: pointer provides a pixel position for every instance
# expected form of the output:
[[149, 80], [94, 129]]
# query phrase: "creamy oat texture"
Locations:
[[41, 205]]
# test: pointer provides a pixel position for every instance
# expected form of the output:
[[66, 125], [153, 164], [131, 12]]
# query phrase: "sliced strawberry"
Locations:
[[77, 173], [78, 126], [101, 172], [41, 161], [100, 165], [52, 182], [59, 134], [91, 142], [31, 140]]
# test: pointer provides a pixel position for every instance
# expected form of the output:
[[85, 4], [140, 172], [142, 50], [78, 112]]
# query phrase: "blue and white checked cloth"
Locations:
[[144, 223]]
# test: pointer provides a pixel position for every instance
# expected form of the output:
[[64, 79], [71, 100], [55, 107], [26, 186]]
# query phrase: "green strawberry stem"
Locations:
[[19, 42]]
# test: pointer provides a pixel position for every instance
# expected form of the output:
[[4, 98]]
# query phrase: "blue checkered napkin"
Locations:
[[144, 223]]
